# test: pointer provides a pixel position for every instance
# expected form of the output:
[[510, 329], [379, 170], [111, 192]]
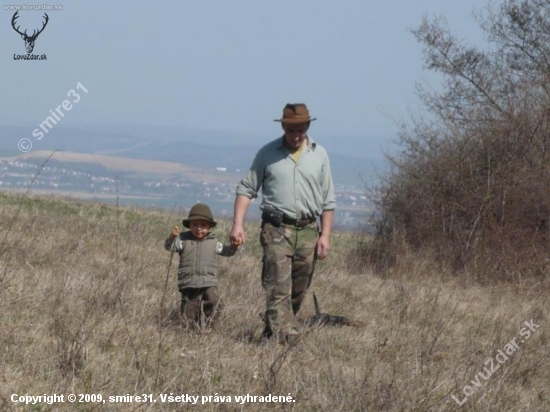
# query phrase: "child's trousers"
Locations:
[[191, 299]]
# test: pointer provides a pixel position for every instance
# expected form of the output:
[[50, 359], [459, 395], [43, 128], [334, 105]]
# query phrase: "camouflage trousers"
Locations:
[[191, 299], [288, 264]]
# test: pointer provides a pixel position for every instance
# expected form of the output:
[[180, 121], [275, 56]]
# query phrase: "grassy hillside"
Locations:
[[84, 290]]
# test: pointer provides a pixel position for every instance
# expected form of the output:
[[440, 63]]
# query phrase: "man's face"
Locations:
[[199, 228], [295, 134]]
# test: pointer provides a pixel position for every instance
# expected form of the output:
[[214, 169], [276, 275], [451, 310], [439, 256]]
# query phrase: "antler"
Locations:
[[15, 16], [43, 26]]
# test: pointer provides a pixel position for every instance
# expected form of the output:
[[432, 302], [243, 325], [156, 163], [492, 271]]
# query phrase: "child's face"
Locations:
[[199, 228]]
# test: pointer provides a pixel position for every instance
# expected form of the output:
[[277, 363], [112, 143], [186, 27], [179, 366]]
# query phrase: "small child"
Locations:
[[198, 267]]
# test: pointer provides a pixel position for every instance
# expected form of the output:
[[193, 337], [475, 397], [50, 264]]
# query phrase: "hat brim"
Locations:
[[294, 121], [187, 221]]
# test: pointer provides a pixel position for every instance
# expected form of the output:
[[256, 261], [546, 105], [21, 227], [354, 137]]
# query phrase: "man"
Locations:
[[294, 174]]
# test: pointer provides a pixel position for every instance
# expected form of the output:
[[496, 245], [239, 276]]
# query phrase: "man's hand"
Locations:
[[323, 247], [175, 232], [237, 235], [237, 243]]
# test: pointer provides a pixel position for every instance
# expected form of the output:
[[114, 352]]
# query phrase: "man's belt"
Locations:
[[298, 222], [275, 217]]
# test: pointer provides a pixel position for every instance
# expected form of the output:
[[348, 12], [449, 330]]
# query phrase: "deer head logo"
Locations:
[[29, 40]]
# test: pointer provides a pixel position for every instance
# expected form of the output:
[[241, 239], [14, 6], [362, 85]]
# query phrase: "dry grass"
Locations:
[[81, 299]]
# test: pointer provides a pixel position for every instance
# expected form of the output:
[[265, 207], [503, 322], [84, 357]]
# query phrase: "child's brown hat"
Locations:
[[199, 211]]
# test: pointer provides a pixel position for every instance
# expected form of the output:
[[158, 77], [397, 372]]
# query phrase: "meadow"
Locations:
[[86, 290]]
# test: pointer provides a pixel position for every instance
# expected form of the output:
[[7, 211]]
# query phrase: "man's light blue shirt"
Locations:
[[300, 189]]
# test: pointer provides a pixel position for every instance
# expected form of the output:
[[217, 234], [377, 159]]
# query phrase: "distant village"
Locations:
[[355, 205]]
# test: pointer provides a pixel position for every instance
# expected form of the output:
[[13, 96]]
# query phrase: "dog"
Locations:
[[324, 319]]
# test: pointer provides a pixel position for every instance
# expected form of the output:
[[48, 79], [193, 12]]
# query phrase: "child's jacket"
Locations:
[[198, 266]]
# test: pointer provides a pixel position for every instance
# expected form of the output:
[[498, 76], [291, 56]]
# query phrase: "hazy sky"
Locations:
[[225, 65]]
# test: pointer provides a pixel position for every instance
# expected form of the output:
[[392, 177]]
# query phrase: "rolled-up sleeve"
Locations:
[[251, 183]]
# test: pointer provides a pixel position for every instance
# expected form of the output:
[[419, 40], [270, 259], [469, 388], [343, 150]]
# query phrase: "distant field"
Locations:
[[220, 209], [138, 166], [72, 195]]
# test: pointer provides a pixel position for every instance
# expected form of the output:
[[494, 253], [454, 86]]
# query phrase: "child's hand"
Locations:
[[175, 232]]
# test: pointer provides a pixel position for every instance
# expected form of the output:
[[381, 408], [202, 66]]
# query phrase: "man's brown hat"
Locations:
[[295, 113], [199, 211]]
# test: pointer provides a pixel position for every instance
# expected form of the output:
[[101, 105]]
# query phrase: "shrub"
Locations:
[[471, 184]]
